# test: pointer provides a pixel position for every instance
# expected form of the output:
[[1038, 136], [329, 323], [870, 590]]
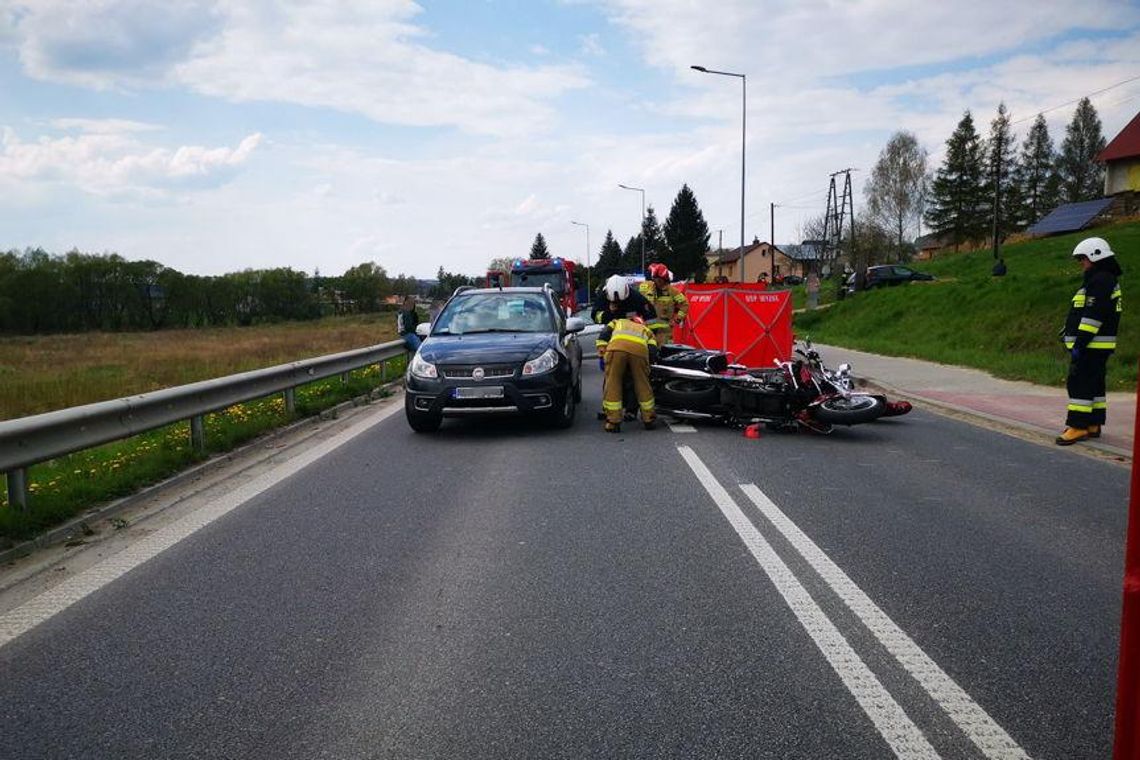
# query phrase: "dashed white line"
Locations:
[[35, 611], [982, 730], [680, 427], [893, 724]]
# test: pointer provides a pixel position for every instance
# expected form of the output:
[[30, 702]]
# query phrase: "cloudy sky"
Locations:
[[216, 136]]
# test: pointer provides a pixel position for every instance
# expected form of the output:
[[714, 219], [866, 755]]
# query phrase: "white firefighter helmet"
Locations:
[[617, 288], [1094, 249]]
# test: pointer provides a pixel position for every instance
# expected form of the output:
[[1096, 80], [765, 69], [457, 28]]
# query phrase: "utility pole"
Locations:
[[838, 209], [771, 241], [997, 197]]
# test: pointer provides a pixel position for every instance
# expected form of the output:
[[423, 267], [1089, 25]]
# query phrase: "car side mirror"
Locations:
[[423, 329], [575, 324]]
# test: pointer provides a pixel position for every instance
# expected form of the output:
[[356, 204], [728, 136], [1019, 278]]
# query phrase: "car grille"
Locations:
[[490, 372]]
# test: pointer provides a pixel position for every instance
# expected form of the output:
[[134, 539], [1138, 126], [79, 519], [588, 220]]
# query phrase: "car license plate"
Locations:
[[489, 391]]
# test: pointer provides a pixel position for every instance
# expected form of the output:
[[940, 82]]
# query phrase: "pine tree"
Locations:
[[686, 237], [656, 249], [609, 259], [538, 249], [1000, 166], [1036, 177], [1082, 178], [631, 256], [955, 194]]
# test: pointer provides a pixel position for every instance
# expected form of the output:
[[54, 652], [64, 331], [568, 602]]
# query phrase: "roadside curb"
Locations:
[[1032, 432], [80, 526]]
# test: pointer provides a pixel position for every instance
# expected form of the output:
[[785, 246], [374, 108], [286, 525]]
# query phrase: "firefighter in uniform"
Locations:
[[670, 304], [627, 347], [617, 300], [1090, 336]]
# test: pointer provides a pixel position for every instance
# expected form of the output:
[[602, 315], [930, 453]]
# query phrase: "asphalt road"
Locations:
[[917, 587]]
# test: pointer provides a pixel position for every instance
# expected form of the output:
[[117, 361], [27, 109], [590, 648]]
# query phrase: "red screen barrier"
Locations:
[[748, 321], [1127, 744]]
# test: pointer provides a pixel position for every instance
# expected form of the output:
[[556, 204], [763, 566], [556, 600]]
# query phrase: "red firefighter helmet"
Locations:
[[659, 270]]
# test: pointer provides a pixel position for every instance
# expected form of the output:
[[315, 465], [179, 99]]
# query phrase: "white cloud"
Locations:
[[590, 45], [106, 43], [365, 58], [109, 163]]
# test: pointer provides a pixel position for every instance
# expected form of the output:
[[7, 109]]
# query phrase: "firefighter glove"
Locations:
[[602, 363]]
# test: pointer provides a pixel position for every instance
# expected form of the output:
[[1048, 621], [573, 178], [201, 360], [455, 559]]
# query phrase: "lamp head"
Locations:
[[699, 68]]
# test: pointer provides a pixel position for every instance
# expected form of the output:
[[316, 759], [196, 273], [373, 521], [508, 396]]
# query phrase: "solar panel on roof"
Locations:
[[1069, 217]]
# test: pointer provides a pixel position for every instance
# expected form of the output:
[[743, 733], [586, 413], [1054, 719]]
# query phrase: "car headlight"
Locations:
[[423, 369], [544, 362]]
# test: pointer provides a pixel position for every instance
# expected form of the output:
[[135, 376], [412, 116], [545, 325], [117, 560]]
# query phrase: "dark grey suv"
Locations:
[[888, 274], [496, 351]]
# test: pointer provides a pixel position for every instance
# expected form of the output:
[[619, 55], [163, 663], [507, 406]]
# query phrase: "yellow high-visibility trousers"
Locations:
[[618, 364]]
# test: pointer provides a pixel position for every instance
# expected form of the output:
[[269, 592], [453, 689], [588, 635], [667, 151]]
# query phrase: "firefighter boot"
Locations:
[[1094, 431], [1071, 436], [650, 424], [613, 427]]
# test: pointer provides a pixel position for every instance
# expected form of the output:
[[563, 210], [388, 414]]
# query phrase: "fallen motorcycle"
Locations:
[[699, 384]]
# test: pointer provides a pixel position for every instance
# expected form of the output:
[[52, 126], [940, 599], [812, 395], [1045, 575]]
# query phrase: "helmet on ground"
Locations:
[[659, 270], [1093, 249], [617, 288]]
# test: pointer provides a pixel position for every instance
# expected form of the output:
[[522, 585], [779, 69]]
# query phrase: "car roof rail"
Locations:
[[462, 289]]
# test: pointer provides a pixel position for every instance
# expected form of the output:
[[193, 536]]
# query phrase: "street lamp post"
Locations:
[[743, 132], [589, 291], [642, 233]]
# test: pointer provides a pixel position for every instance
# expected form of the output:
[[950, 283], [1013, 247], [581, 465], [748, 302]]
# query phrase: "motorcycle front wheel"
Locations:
[[853, 410]]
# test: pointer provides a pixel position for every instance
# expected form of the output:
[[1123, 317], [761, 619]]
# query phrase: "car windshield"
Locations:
[[495, 312]]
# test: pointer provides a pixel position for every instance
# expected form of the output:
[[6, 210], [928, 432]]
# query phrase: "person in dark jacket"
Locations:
[[406, 320], [1090, 336]]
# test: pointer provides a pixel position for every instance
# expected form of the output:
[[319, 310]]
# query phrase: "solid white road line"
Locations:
[[680, 427], [896, 728], [983, 731], [51, 602]]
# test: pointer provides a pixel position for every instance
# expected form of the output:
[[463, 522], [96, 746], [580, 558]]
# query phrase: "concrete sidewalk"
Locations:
[[1035, 410]]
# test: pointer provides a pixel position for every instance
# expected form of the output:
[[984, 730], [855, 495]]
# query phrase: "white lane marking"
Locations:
[[680, 427], [983, 731], [896, 728], [53, 601]]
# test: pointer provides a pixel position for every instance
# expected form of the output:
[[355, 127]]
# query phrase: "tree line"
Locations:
[[680, 244], [984, 186], [76, 292], [981, 180]]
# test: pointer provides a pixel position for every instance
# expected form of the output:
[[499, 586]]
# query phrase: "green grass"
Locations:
[[1007, 326], [71, 485]]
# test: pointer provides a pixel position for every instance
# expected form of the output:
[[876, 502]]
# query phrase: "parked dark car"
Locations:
[[496, 351], [888, 274]]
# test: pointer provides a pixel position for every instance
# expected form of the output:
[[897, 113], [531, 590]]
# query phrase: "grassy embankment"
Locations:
[[45, 373], [1007, 326]]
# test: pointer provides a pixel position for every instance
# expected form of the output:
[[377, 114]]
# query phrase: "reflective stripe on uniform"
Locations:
[[1088, 324], [1100, 402], [1103, 341], [1080, 405], [611, 406]]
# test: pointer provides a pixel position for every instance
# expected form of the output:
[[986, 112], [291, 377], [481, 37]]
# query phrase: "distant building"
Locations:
[[1121, 159], [724, 265], [800, 260]]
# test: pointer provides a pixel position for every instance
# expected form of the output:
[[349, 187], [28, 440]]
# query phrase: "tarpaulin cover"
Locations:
[[746, 320]]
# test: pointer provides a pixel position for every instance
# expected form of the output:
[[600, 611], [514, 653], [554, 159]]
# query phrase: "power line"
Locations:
[[1077, 100]]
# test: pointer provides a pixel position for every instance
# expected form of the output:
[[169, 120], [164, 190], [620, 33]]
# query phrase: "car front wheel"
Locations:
[[421, 422], [563, 416]]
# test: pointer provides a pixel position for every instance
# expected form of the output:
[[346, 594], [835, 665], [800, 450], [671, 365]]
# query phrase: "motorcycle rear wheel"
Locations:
[[856, 409], [685, 393]]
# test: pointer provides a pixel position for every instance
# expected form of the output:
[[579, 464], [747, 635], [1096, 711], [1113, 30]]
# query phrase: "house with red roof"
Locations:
[[1121, 158]]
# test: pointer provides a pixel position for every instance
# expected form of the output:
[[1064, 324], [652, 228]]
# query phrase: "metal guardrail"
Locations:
[[39, 438]]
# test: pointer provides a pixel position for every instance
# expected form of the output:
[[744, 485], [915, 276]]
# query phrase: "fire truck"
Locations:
[[558, 273]]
